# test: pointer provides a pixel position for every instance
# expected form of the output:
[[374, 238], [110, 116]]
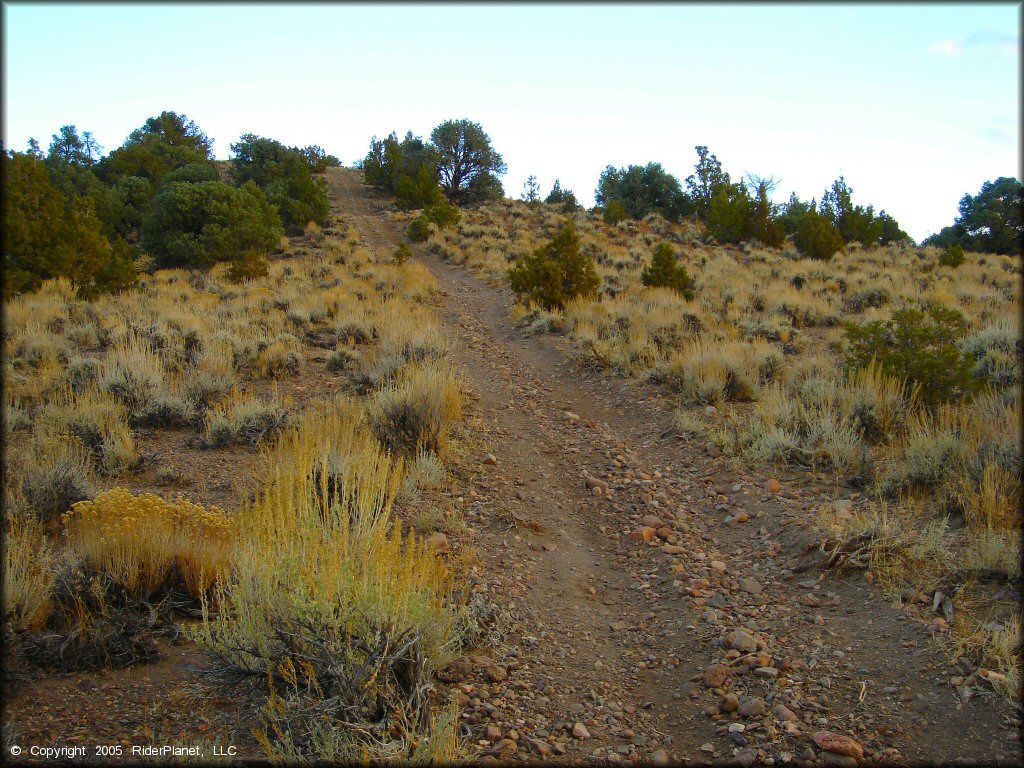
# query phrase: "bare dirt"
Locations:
[[612, 604], [617, 634]]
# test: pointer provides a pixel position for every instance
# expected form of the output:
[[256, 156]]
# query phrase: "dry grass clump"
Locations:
[[705, 373], [133, 373], [55, 473], [30, 563], [415, 411], [972, 456], [344, 614], [425, 472], [147, 545], [533, 319], [812, 419], [413, 336], [99, 422], [243, 418], [282, 356]]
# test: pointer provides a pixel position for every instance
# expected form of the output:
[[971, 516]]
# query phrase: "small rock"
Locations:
[[645, 533], [490, 459], [751, 586], [744, 758], [710, 411], [660, 758], [838, 760], [768, 672], [712, 450], [715, 676], [718, 565], [496, 673], [774, 486], [541, 747], [506, 746], [784, 713], [492, 733], [741, 641], [751, 708], [580, 732], [837, 742], [729, 703]]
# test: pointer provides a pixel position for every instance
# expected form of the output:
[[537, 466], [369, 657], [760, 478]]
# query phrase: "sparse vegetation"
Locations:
[[555, 273], [92, 571], [176, 324], [859, 362]]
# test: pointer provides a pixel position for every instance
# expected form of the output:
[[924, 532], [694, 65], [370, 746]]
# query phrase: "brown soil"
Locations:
[[596, 630]]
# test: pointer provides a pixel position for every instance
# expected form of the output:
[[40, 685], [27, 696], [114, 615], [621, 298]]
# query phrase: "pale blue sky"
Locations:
[[914, 104]]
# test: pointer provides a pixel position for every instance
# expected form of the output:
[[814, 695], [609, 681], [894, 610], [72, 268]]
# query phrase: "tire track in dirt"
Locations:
[[616, 634]]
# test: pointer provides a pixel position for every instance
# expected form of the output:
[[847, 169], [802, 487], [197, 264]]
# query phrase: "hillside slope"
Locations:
[[617, 599]]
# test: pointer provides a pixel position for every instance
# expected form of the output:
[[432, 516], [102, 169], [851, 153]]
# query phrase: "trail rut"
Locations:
[[614, 633]]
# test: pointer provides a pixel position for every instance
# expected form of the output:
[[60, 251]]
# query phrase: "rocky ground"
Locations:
[[641, 601], [656, 606]]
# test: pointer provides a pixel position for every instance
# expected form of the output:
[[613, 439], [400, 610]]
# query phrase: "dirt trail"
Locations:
[[613, 635], [612, 604]]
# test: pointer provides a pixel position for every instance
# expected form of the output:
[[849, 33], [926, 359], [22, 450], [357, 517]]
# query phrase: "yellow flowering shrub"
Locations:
[[145, 542]]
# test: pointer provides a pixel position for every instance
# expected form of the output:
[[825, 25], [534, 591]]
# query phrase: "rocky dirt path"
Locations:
[[656, 606]]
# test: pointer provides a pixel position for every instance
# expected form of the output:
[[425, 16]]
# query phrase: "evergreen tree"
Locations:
[[48, 234], [197, 225], [556, 272], [854, 222], [563, 197], [707, 179], [664, 272], [531, 191], [468, 165]]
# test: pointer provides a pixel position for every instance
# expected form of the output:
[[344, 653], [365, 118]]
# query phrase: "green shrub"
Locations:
[[817, 237], [729, 214], [197, 225], [953, 256], [614, 212], [299, 196], [664, 272], [556, 272], [419, 229], [47, 234], [419, 191], [193, 173], [443, 215], [250, 266], [918, 347], [402, 253]]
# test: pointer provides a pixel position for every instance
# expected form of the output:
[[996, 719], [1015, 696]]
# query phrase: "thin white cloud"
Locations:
[[945, 48], [985, 41]]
